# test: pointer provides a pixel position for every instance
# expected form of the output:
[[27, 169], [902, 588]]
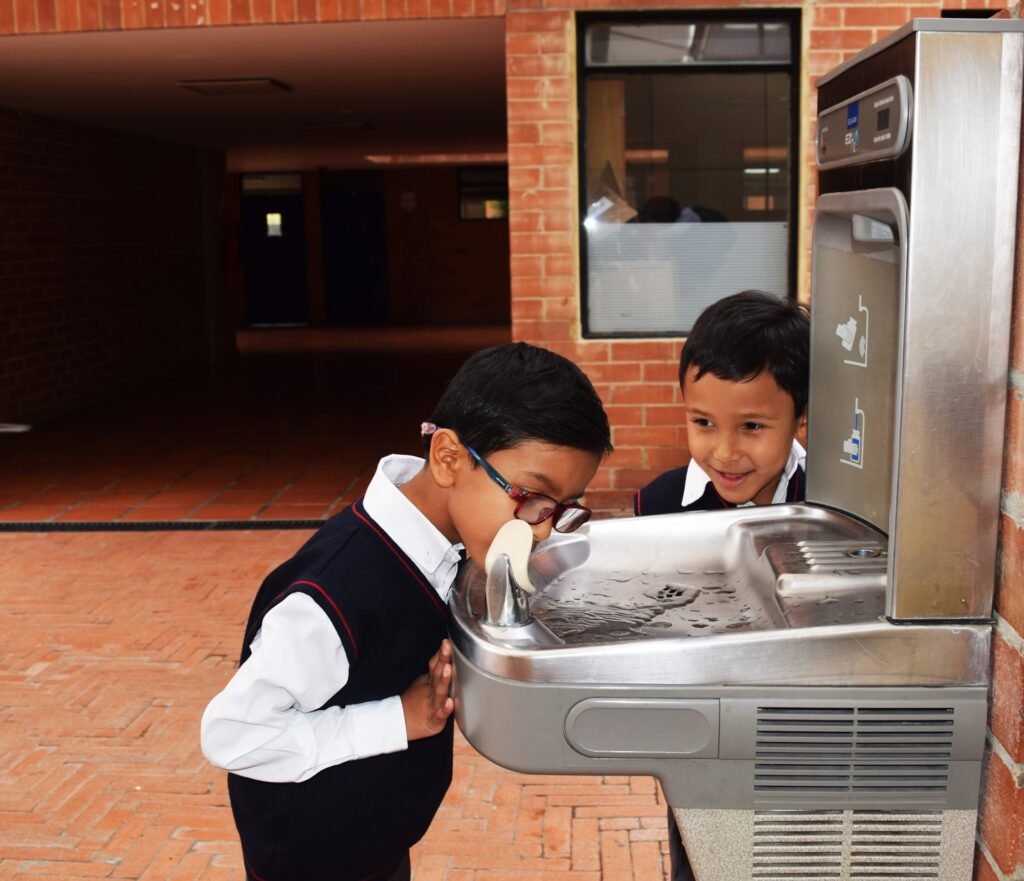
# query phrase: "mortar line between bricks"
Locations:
[[1011, 636], [1015, 768], [1012, 505], [992, 864]]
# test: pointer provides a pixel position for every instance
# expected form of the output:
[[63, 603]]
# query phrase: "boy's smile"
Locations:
[[740, 433]]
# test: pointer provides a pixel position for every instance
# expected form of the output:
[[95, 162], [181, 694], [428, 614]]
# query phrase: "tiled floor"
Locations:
[[114, 641], [292, 433]]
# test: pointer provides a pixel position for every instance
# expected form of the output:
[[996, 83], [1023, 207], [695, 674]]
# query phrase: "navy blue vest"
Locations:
[[356, 820]]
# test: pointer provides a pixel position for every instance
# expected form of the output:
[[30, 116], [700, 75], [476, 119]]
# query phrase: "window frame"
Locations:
[[790, 17]]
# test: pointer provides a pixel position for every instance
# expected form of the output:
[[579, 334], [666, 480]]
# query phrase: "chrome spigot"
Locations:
[[508, 604]]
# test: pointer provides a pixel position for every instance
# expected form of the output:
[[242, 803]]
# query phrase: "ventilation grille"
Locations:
[[798, 846], [887, 846], [861, 845], [853, 754]]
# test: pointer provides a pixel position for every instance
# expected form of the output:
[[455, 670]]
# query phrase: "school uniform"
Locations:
[[690, 489], [324, 785]]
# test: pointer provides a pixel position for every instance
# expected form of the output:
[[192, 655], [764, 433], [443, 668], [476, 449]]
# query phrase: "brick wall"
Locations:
[[442, 269], [1001, 839], [637, 380], [101, 265]]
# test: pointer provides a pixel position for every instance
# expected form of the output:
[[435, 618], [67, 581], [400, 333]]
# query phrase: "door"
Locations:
[[355, 243], [273, 256]]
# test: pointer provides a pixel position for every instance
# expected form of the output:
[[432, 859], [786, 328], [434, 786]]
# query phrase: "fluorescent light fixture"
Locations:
[[437, 158], [647, 155], [235, 86]]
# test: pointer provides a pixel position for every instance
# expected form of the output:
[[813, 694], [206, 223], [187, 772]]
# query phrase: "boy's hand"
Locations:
[[426, 702]]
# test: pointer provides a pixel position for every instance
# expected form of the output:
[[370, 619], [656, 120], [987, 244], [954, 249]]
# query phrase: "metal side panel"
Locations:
[[739, 748], [967, 112]]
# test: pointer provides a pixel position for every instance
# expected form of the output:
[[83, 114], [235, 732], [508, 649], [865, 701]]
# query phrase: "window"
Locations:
[[483, 193], [687, 132]]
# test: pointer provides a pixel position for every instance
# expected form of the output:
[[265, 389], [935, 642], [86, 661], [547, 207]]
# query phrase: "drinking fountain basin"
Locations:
[[741, 656]]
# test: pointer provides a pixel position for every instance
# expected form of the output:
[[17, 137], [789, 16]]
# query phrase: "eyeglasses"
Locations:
[[534, 508]]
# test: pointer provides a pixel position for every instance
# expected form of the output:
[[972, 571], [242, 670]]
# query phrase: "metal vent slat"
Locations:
[[801, 751], [882, 845]]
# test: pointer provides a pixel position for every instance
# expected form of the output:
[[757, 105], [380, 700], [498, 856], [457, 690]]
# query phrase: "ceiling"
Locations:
[[357, 89]]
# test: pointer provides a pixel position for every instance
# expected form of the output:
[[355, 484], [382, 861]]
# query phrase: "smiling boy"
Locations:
[[744, 374]]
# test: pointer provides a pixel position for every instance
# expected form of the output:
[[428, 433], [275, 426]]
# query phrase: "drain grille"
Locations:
[[845, 752], [861, 845]]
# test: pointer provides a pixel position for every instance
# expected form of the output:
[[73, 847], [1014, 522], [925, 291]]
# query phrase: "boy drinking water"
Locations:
[[744, 373], [336, 728]]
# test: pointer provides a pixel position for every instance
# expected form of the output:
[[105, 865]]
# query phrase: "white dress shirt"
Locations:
[[697, 478], [266, 724]]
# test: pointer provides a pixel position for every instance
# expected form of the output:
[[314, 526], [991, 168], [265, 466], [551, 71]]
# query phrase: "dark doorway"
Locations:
[[273, 250], [355, 243]]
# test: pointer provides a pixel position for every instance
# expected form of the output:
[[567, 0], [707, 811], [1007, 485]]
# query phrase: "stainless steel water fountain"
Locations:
[[809, 682]]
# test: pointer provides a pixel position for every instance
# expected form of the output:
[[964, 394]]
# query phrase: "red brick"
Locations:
[[637, 393], [613, 371], [523, 178], [7, 20], [890, 17], [563, 308], [1009, 597], [46, 16], [532, 23], [537, 65], [845, 38], [647, 350], [647, 436], [543, 109], [25, 16], [1002, 820], [560, 221], [983, 871], [1013, 465], [624, 414], [525, 308], [525, 221], [542, 331], [525, 243], [1007, 711], [524, 133], [543, 287]]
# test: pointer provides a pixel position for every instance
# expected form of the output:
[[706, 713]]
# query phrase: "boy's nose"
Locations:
[[543, 529], [727, 451]]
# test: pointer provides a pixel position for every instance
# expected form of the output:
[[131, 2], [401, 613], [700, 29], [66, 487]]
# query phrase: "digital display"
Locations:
[[882, 122], [852, 114]]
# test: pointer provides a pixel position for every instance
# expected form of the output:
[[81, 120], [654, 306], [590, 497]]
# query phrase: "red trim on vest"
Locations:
[[248, 868], [327, 596], [430, 592]]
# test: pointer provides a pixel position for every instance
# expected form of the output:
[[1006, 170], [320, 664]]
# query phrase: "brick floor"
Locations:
[[113, 643]]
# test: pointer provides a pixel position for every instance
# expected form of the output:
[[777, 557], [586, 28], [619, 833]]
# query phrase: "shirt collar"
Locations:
[[407, 526], [697, 479]]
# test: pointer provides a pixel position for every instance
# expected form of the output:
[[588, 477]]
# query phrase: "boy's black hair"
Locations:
[[509, 394], [740, 337]]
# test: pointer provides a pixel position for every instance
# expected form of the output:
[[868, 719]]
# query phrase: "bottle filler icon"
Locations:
[[853, 446]]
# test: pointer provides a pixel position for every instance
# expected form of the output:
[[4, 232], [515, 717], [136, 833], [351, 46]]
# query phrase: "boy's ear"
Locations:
[[444, 456]]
